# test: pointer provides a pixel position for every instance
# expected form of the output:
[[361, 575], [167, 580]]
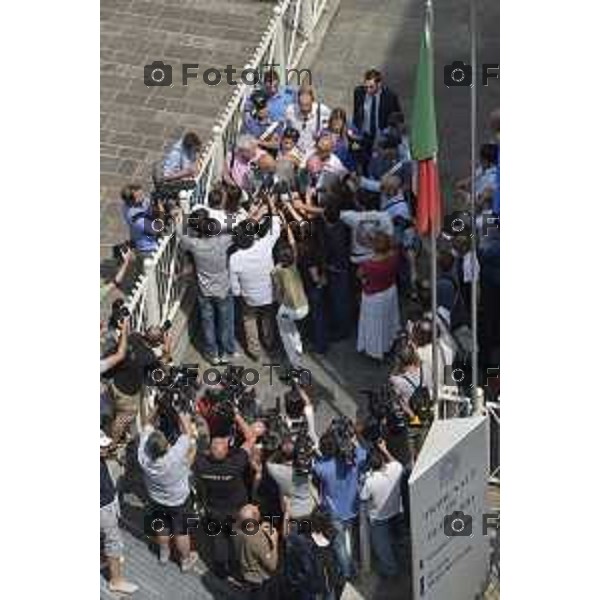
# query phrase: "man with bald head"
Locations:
[[222, 476], [257, 553]]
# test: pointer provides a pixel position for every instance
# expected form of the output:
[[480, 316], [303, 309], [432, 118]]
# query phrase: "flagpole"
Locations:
[[433, 243], [475, 274]]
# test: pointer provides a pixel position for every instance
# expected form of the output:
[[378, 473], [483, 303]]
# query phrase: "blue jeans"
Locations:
[[382, 540], [216, 315], [343, 545]]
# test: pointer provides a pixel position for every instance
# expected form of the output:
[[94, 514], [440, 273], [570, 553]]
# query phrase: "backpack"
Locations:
[[420, 399]]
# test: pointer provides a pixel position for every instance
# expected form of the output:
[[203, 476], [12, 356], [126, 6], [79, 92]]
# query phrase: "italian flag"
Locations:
[[424, 144]]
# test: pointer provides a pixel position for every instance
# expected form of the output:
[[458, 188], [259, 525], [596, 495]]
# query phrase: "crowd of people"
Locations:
[[309, 239]]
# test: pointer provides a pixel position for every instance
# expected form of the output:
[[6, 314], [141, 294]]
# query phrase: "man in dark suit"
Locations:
[[373, 105]]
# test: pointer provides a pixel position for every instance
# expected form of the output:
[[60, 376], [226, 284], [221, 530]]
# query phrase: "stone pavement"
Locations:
[[137, 121]]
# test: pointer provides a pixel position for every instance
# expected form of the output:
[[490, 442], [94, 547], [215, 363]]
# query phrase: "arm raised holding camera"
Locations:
[[247, 432], [119, 356]]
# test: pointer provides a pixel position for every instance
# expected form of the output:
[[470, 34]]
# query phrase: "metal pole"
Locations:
[[474, 282], [434, 316], [433, 239]]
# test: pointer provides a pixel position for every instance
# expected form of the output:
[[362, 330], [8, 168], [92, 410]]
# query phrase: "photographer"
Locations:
[[338, 480], [222, 476], [140, 218], [290, 467], [166, 471], [127, 377], [124, 255], [412, 395], [112, 360], [383, 502]]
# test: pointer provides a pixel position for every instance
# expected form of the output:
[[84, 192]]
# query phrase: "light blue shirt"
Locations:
[[278, 103], [140, 227], [177, 159], [256, 128], [339, 484]]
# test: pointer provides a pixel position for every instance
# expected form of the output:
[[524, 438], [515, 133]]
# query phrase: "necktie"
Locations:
[[373, 111]]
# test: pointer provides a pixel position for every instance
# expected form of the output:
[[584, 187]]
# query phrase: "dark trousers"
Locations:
[[219, 552], [316, 316], [269, 590], [339, 304]]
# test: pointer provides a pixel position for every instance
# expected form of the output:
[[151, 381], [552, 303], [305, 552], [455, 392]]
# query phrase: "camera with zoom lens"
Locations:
[[304, 451], [120, 250], [342, 431]]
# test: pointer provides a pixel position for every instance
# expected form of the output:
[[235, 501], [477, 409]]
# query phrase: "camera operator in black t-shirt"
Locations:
[[221, 477]]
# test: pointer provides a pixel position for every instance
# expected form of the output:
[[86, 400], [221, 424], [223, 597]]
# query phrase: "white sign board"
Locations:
[[450, 475]]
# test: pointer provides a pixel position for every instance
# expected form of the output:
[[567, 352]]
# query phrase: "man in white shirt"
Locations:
[[250, 272], [423, 337], [383, 502], [308, 117]]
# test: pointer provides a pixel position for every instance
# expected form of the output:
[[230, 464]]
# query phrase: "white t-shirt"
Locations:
[[308, 126], [227, 221], [381, 491], [364, 224], [250, 269], [167, 478], [445, 358]]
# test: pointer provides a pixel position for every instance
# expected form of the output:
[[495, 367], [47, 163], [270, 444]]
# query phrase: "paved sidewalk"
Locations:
[[136, 121]]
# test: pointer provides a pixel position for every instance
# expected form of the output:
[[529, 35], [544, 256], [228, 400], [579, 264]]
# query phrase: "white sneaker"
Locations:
[[214, 360], [189, 562], [123, 587], [229, 357], [164, 553]]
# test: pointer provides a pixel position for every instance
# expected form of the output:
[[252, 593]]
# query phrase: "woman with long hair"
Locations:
[[344, 139]]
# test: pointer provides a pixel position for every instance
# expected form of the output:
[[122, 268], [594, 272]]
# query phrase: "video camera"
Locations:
[[118, 313], [342, 431], [385, 416], [304, 450]]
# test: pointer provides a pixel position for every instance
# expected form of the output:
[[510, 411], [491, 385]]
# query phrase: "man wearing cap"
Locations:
[[109, 525], [260, 125], [278, 99]]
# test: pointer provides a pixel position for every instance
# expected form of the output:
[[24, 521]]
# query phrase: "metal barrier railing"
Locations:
[[493, 411], [157, 292]]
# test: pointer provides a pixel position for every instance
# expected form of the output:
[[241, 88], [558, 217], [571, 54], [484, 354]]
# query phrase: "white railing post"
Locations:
[[307, 18], [218, 158], [279, 57], [152, 304], [155, 297]]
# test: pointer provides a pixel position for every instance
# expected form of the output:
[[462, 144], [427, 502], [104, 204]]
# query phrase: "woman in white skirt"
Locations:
[[379, 321]]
